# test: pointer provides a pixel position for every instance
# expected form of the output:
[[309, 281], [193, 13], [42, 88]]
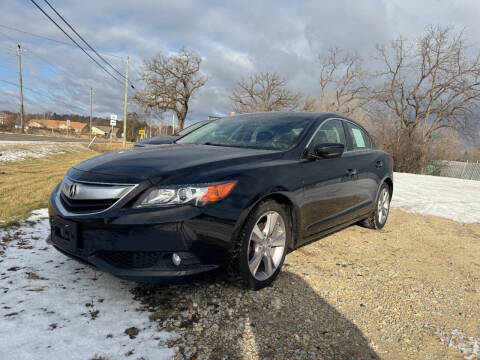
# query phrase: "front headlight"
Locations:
[[197, 195]]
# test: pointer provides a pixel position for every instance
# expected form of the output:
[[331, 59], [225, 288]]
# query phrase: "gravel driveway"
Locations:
[[408, 291]]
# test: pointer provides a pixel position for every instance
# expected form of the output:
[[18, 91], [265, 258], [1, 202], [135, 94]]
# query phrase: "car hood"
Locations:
[[157, 140], [164, 160]]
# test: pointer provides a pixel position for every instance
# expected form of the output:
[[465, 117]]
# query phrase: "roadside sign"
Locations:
[[141, 132], [68, 123], [113, 120]]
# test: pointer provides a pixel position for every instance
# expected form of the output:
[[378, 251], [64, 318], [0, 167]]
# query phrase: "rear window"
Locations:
[[360, 139]]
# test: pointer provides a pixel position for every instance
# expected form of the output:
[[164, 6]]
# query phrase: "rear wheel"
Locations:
[[379, 217], [263, 243]]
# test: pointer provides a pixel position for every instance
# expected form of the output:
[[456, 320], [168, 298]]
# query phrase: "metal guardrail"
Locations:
[[456, 169]]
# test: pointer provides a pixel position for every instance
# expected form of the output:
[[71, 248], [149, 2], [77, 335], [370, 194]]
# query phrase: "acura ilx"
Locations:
[[239, 192]]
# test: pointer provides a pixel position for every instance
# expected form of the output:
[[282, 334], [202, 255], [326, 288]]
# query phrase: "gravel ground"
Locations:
[[408, 291]]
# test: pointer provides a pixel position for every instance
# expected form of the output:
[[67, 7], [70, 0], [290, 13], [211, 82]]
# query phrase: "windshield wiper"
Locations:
[[213, 144]]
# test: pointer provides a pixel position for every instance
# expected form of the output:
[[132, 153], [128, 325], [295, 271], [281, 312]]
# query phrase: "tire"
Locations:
[[261, 252], [378, 218]]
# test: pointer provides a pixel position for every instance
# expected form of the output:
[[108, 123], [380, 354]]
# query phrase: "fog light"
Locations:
[[176, 259]]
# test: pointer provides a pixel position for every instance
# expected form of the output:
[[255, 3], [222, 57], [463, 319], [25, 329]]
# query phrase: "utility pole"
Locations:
[[173, 123], [125, 107], [91, 96], [19, 52]]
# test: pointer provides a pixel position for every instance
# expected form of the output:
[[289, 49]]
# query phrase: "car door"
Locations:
[[328, 190], [365, 161]]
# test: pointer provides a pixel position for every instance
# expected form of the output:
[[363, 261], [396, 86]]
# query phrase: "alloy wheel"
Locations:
[[266, 245], [383, 206]]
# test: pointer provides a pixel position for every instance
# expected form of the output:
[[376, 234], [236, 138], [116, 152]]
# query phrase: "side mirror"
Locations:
[[329, 150]]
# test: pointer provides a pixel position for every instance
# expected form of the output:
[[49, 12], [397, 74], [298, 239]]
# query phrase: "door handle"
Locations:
[[379, 164], [351, 172]]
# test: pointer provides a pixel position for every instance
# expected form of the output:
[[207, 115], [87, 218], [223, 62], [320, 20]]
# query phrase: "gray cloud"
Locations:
[[234, 39]]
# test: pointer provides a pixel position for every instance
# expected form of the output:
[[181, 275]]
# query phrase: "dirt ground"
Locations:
[[409, 291]]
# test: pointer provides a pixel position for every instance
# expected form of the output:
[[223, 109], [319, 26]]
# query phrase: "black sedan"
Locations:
[[169, 139], [240, 191]]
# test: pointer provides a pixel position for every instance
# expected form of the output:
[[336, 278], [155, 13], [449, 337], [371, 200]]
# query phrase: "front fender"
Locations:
[[280, 195]]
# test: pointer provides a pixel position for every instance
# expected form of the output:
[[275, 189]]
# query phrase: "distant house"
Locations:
[[75, 126], [3, 117], [6, 118], [103, 130]]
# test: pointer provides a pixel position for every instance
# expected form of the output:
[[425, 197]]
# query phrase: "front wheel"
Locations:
[[379, 217], [263, 244]]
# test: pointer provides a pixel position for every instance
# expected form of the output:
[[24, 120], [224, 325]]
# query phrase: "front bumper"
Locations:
[[138, 244]]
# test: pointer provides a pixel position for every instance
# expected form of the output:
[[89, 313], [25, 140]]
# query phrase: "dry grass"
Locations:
[[26, 185], [107, 147]]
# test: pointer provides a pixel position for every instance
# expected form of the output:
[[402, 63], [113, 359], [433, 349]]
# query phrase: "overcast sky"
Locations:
[[233, 38]]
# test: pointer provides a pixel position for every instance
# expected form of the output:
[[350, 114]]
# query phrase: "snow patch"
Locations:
[[33, 150], [52, 307], [468, 345], [455, 199]]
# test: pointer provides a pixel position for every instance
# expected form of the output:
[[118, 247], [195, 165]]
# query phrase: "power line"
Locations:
[[54, 66], [29, 51], [81, 38], [49, 95], [34, 53], [39, 36], [76, 43], [27, 88], [50, 39], [10, 82], [64, 43], [45, 95]]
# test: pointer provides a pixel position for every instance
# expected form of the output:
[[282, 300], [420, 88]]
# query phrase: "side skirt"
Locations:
[[321, 235]]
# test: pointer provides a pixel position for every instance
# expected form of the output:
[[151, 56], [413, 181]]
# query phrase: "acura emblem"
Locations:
[[72, 190]]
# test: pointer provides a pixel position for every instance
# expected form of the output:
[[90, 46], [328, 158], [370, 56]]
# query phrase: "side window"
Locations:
[[330, 132], [360, 140]]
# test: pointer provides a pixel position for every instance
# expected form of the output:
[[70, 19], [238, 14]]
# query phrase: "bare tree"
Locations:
[[264, 91], [472, 154], [342, 83], [430, 84], [446, 145], [170, 83]]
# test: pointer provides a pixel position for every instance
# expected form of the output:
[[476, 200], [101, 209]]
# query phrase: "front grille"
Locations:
[[82, 197], [131, 259], [85, 206], [148, 259]]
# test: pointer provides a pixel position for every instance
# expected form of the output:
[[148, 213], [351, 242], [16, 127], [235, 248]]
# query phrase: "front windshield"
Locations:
[[259, 132], [190, 128]]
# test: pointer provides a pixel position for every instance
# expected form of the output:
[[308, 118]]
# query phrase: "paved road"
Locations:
[[29, 137]]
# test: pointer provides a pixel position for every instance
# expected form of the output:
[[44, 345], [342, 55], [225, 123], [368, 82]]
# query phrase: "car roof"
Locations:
[[310, 115], [274, 114], [313, 116]]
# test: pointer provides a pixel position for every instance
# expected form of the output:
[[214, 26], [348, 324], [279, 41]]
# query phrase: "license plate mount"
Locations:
[[64, 233]]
